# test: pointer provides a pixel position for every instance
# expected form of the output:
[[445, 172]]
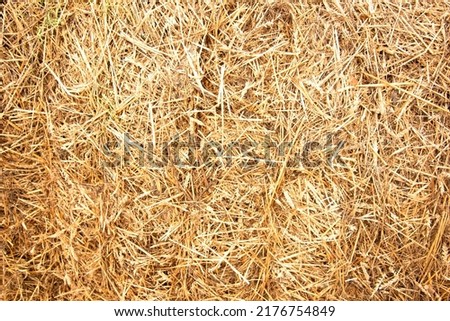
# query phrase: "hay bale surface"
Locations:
[[88, 87]]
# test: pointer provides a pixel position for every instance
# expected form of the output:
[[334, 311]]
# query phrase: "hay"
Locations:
[[88, 87]]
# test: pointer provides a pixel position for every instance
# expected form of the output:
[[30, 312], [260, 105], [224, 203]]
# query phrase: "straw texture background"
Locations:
[[78, 223]]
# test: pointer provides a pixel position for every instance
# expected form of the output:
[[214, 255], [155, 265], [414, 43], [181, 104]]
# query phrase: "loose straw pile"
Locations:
[[88, 87]]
